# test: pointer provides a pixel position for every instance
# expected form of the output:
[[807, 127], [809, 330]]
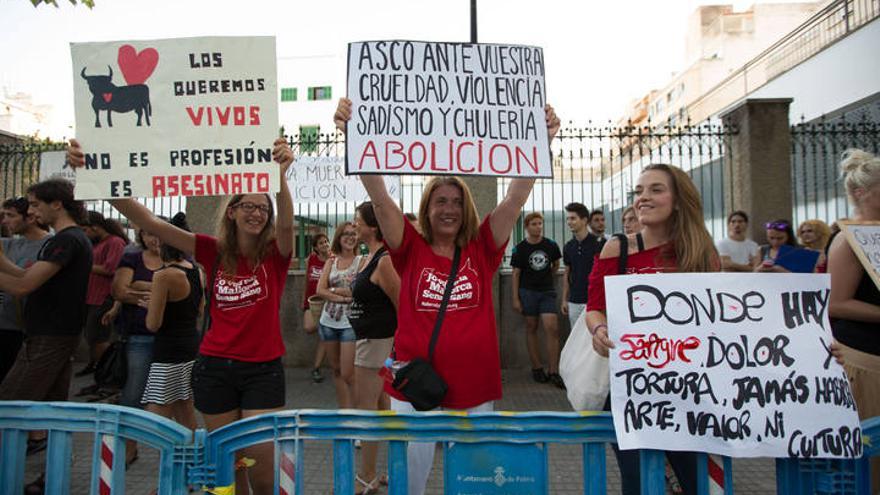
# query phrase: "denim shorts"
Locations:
[[536, 302], [330, 334], [139, 351]]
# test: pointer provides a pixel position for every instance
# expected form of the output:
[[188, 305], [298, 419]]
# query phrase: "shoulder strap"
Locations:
[[206, 316], [456, 258], [623, 257], [640, 241]]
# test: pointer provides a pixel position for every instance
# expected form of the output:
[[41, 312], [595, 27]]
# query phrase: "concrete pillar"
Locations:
[[204, 212], [760, 162]]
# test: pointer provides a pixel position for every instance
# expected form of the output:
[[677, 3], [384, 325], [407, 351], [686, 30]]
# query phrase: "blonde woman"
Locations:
[[815, 234]]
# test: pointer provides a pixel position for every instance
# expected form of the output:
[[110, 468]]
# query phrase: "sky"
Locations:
[[599, 55]]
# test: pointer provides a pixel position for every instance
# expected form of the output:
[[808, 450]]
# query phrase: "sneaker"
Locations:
[[555, 379], [539, 376], [317, 377], [88, 370]]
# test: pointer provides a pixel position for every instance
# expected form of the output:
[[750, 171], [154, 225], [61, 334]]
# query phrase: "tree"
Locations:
[[87, 3]]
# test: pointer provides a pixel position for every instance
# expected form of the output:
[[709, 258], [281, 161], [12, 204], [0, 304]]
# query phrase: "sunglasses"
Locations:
[[776, 226]]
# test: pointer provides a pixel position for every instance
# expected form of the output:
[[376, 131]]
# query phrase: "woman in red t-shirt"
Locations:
[[675, 240], [466, 354], [314, 267], [238, 371]]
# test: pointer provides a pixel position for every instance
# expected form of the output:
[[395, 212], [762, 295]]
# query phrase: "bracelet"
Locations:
[[597, 327]]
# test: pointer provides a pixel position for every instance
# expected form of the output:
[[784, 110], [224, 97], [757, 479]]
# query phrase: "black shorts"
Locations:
[[221, 385]]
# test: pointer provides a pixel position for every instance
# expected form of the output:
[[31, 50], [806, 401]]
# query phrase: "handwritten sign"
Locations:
[[730, 364], [864, 238], [322, 179], [53, 165], [447, 108], [176, 117]]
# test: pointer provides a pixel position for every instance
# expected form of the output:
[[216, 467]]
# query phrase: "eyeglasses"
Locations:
[[781, 226], [248, 207]]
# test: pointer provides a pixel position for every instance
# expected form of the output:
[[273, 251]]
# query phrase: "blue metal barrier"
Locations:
[[483, 452], [111, 425]]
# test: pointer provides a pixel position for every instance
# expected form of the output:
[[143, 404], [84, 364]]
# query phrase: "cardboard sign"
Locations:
[[176, 117], [729, 364], [447, 108], [322, 179], [864, 238]]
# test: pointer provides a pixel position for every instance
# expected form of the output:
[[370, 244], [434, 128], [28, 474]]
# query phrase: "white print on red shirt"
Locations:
[[315, 272], [240, 291], [432, 285]]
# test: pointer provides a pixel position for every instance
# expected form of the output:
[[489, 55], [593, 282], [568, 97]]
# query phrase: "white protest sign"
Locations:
[[176, 117], [53, 164], [322, 179], [730, 364], [447, 108], [864, 238]]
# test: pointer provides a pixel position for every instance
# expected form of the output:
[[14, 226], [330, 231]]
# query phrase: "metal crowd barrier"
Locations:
[[483, 453]]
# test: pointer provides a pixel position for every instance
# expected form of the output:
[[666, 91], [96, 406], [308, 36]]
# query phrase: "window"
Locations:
[[320, 93], [288, 94], [308, 138]]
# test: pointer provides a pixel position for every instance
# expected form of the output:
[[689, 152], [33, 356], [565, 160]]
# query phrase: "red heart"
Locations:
[[107, 97], [137, 67]]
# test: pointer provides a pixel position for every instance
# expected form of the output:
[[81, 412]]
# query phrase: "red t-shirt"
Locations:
[[314, 267], [245, 321], [654, 260], [106, 253], [466, 354]]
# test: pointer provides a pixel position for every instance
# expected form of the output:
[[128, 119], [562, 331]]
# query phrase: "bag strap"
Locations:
[[456, 258], [206, 316], [624, 250], [640, 241]]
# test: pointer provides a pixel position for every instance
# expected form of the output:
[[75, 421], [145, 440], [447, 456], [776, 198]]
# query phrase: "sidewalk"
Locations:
[[752, 476]]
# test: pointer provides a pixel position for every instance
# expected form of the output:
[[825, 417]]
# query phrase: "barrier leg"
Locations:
[[343, 462], [397, 468], [595, 470], [653, 472], [58, 462], [12, 450], [285, 471], [108, 465], [788, 479]]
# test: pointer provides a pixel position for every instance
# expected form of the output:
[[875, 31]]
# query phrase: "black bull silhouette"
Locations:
[[113, 98]]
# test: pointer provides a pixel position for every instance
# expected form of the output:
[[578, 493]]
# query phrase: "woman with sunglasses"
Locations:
[[779, 233], [238, 372], [336, 334]]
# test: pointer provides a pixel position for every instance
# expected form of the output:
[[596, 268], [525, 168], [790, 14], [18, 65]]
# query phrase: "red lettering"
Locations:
[[231, 115], [173, 184], [398, 151], [369, 150], [238, 113], [656, 351], [263, 182], [222, 115], [412, 162], [199, 185], [158, 185], [249, 177], [195, 117], [522, 157], [236, 183], [221, 182], [186, 185], [492, 158], [255, 115], [458, 156]]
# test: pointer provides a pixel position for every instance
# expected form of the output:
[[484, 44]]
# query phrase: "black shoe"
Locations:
[[87, 390], [88, 370], [34, 446], [317, 377], [555, 379], [36, 487], [539, 376]]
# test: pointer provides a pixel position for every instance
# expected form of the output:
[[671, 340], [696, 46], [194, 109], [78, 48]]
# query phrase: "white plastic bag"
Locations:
[[583, 370]]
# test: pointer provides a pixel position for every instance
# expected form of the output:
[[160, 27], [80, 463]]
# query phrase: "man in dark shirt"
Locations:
[[578, 255], [534, 262], [56, 288]]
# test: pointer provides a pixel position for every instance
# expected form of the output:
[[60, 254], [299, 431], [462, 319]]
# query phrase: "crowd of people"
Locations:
[[200, 315]]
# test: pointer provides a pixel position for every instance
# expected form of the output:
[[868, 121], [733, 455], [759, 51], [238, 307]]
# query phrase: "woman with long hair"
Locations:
[[854, 303], [374, 319], [779, 233], [466, 355], [335, 331], [815, 235], [673, 239], [314, 267], [238, 372], [631, 223]]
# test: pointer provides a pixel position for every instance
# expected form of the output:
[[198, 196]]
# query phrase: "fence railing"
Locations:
[[484, 452]]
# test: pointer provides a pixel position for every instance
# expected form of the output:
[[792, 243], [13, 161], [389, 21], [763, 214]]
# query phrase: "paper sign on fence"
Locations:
[[322, 179], [447, 108], [730, 364], [176, 117]]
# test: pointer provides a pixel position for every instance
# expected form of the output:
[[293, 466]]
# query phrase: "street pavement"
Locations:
[[751, 476]]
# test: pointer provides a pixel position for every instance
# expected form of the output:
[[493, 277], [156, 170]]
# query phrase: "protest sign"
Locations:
[[446, 108], [864, 238], [322, 179], [176, 117], [53, 165], [730, 364]]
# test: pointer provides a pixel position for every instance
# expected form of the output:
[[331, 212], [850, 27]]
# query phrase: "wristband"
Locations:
[[597, 327]]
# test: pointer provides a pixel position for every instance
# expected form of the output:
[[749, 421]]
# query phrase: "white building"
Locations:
[[309, 88], [20, 115]]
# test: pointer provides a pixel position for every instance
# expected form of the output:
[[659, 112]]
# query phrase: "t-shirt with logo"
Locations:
[[314, 267], [536, 262], [245, 319], [23, 252], [466, 355], [660, 259]]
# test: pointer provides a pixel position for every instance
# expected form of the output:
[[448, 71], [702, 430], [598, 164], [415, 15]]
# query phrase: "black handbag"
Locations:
[[112, 369], [418, 381]]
